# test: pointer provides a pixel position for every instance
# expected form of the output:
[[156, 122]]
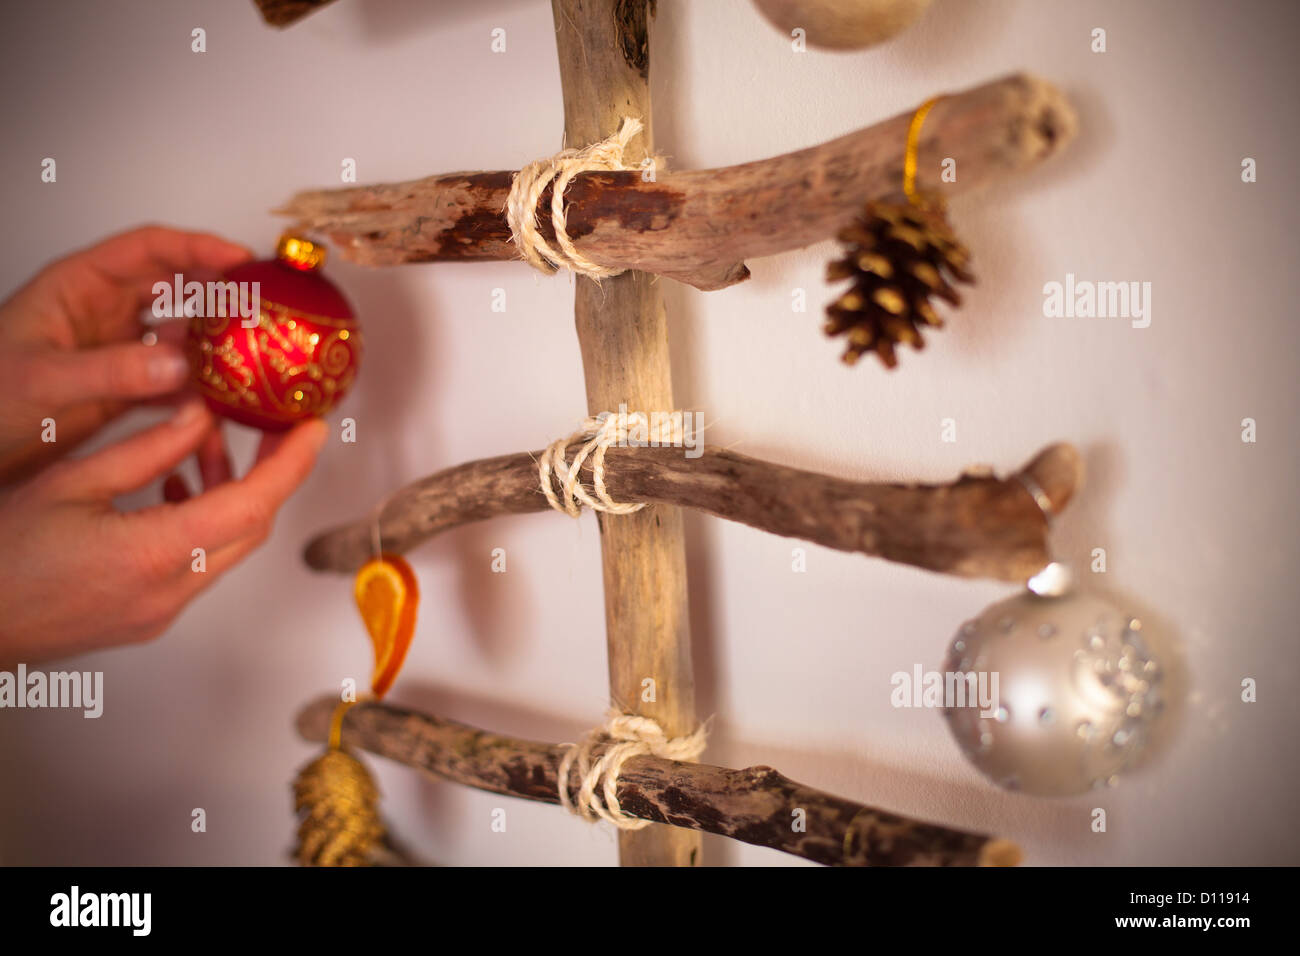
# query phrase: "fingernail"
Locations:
[[168, 370], [188, 413]]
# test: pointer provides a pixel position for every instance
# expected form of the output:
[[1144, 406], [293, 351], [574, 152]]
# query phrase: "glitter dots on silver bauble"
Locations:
[[1076, 690]]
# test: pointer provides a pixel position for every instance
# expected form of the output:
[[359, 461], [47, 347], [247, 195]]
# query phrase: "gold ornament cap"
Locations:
[[299, 252]]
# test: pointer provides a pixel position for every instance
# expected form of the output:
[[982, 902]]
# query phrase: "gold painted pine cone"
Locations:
[[337, 804], [898, 256]]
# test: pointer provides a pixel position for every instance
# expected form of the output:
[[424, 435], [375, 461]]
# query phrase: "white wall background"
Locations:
[[1199, 527]]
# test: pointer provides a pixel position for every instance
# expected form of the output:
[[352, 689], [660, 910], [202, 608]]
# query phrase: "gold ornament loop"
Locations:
[[909, 153], [299, 252], [336, 722]]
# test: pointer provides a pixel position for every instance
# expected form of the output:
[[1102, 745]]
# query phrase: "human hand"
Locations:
[[70, 346], [80, 575]]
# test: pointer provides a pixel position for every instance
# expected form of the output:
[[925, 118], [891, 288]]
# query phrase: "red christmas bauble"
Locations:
[[294, 359]]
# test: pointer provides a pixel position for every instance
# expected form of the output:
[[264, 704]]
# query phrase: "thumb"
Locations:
[[135, 461], [129, 370]]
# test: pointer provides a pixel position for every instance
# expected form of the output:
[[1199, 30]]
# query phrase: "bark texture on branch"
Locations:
[[755, 805], [604, 54], [977, 526], [699, 226], [283, 13]]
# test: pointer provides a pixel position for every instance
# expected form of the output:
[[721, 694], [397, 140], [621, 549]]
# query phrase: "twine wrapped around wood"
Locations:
[[557, 172], [627, 736], [597, 434]]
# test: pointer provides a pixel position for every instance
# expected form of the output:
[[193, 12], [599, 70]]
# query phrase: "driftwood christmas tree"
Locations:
[[697, 227]]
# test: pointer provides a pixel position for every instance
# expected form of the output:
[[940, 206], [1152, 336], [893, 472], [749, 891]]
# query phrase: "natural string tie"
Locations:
[[530, 182], [600, 432], [632, 736]]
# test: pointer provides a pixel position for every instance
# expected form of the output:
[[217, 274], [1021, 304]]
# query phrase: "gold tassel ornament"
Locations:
[[898, 256], [337, 804]]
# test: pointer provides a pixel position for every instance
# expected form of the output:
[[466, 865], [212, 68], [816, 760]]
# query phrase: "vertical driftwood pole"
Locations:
[[604, 67]]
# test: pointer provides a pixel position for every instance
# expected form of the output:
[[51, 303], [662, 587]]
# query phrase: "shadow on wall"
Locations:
[[497, 628], [987, 221]]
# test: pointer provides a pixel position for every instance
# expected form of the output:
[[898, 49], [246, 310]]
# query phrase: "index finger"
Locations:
[[151, 251], [101, 288]]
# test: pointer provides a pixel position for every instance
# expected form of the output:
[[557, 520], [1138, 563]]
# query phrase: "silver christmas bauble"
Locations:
[[1075, 693]]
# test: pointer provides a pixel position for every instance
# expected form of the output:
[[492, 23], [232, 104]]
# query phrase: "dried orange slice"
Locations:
[[387, 595]]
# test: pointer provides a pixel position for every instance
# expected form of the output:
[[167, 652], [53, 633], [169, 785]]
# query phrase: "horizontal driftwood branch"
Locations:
[[977, 526], [755, 805], [700, 226]]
